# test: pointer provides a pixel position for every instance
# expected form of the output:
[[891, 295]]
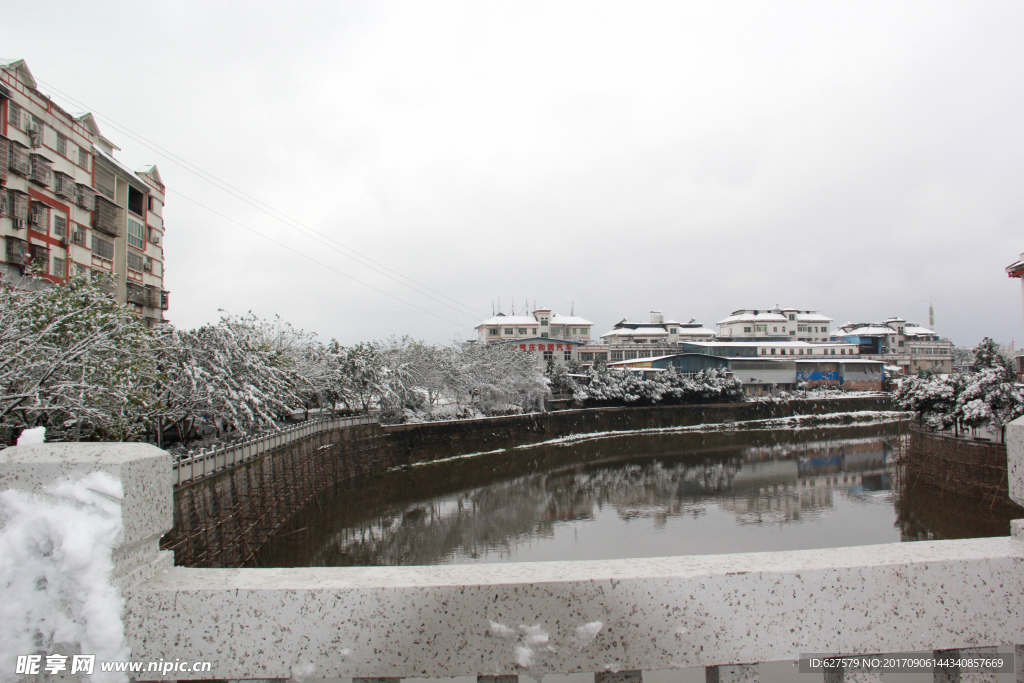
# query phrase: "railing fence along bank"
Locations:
[[614, 618], [195, 467]]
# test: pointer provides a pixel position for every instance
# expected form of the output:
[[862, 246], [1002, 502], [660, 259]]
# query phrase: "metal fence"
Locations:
[[203, 464]]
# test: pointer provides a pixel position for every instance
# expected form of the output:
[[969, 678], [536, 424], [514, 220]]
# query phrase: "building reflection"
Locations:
[[770, 483]]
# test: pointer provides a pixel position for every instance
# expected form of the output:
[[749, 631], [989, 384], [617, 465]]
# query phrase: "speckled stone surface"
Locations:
[[657, 613], [143, 470], [1015, 459]]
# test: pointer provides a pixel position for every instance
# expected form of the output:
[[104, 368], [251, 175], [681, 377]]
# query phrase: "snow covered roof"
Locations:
[[559, 319], [639, 332], [868, 331], [813, 318], [914, 331], [137, 182], [754, 317], [696, 330], [509, 321]]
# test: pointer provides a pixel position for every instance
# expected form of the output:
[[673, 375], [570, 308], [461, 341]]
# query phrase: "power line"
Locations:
[[271, 211], [310, 258]]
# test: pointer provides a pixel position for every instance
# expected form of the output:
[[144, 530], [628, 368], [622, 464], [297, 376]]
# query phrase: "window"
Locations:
[[746, 329], [586, 356], [14, 115], [136, 234], [534, 331], [616, 355], [549, 355], [135, 201], [544, 335], [103, 248], [792, 316], [600, 356], [543, 321], [58, 266], [493, 331], [568, 355], [62, 145], [522, 330], [508, 330], [60, 226], [83, 158], [761, 328], [673, 330], [149, 202], [134, 261], [775, 329]]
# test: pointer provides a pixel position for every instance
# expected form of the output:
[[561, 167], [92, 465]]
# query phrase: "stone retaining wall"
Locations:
[[432, 440], [963, 467]]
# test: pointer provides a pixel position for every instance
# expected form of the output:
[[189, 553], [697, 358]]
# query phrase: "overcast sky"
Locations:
[[861, 159]]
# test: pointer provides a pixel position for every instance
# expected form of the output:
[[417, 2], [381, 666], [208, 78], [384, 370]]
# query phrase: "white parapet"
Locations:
[[653, 613], [612, 616]]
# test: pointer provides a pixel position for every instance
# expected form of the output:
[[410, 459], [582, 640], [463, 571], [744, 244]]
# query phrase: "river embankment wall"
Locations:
[[957, 465], [415, 443], [224, 519]]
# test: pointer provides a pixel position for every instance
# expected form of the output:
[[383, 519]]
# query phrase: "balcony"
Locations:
[[86, 197], [137, 295], [17, 251], [41, 170], [107, 217], [17, 160]]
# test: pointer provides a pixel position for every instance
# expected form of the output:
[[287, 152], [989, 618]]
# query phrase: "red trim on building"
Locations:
[[38, 196]]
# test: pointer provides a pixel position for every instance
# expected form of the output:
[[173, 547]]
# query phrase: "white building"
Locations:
[[542, 323], [805, 326], [658, 331], [68, 207], [909, 346]]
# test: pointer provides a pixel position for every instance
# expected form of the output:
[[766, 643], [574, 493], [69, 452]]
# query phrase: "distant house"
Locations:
[[895, 341], [551, 336], [541, 323], [775, 323]]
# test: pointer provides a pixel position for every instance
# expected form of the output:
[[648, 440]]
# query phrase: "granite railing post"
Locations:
[[146, 510], [143, 474]]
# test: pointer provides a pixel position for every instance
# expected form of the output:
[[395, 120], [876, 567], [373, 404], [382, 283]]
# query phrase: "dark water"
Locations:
[[634, 496]]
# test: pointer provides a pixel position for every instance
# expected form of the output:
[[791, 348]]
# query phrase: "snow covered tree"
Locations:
[[74, 360]]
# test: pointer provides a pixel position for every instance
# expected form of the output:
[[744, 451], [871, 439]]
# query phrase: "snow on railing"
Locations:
[[203, 464]]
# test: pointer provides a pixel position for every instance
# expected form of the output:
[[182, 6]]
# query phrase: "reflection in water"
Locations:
[[635, 496]]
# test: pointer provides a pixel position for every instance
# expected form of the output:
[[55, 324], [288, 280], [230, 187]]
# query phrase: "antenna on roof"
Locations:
[[572, 307], [499, 304], [513, 305], [492, 308]]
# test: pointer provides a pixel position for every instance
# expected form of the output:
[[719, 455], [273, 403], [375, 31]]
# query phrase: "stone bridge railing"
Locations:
[[615, 618]]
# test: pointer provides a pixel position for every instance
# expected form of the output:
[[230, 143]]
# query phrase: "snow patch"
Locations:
[[56, 564], [33, 436], [586, 634]]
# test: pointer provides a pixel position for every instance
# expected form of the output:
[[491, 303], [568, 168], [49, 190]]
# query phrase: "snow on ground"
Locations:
[[56, 563]]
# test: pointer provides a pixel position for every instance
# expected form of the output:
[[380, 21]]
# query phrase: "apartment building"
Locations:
[[658, 331], [775, 323], [902, 344], [68, 207]]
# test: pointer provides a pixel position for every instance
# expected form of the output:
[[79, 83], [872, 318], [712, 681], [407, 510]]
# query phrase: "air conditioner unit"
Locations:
[[35, 136], [148, 266], [64, 242], [36, 218], [156, 241]]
